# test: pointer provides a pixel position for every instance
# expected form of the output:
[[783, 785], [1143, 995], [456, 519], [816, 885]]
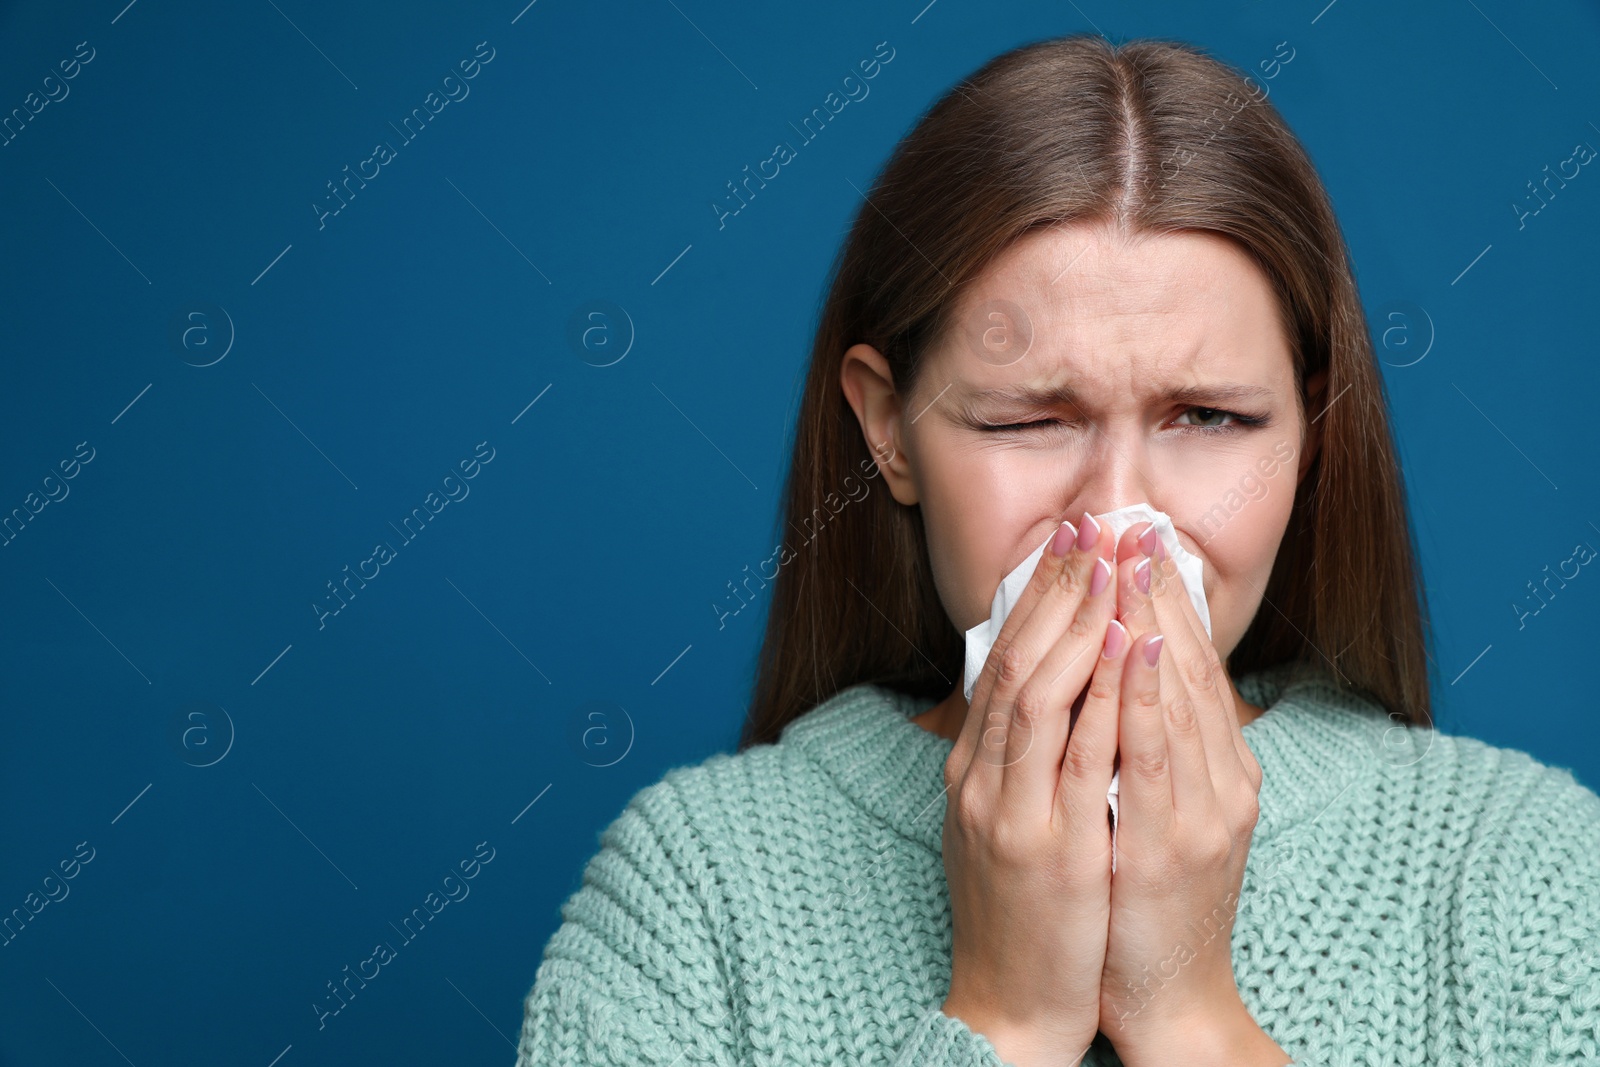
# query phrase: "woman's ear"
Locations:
[[868, 385], [1316, 389]]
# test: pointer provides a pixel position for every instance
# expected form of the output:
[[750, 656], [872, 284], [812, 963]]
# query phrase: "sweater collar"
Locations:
[[1313, 741]]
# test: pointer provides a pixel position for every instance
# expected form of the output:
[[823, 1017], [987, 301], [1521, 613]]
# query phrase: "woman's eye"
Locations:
[[1209, 413], [1239, 421], [1203, 418], [1011, 426]]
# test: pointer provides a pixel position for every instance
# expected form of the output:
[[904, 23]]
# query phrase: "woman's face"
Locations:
[[1173, 385]]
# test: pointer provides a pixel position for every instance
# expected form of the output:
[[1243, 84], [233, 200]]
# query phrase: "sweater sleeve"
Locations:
[[939, 1040], [1542, 948], [634, 976]]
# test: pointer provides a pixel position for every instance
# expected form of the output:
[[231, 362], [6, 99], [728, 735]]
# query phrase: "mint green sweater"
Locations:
[[1411, 897]]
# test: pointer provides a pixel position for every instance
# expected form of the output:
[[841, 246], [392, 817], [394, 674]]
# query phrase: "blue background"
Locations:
[[266, 795]]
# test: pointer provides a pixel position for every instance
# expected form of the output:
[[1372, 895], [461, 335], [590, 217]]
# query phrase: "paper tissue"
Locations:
[[981, 638]]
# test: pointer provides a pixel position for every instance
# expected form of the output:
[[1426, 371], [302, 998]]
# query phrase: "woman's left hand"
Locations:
[[1186, 813]]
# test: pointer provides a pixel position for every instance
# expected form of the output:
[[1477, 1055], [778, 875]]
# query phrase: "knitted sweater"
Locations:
[[1411, 897]]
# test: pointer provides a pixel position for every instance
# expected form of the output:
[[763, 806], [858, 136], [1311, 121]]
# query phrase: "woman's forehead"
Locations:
[[1063, 310], [1060, 274]]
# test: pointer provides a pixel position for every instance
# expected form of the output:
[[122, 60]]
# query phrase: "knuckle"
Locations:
[[953, 773], [1072, 577], [1252, 767], [1011, 664], [992, 742], [1081, 759], [1145, 700], [968, 811], [1009, 841], [1151, 766], [1080, 627], [1043, 575], [1213, 847], [1181, 717], [1141, 614], [1198, 674], [1102, 685], [1030, 707], [1249, 809], [1158, 583], [1046, 573]]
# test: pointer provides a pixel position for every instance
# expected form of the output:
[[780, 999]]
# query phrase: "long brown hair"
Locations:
[[1158, 137]]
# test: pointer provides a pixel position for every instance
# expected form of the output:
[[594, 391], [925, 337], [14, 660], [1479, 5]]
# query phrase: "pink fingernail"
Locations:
[[1148, 541], [1141, 575], [1100, 578], [1090, 533], [1116, 640], [1152, 650], [1065, 536]]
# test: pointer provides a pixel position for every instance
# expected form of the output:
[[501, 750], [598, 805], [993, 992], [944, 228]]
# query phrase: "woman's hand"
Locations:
[[1187, 810], [1027, 843]]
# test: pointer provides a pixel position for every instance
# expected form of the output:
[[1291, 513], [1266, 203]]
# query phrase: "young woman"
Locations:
[[1091, 276]]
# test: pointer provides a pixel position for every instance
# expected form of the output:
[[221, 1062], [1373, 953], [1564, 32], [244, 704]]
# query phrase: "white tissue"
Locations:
[[980, 639]]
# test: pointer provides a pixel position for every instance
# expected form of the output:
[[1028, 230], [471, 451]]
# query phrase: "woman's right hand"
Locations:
[[1027, 840]]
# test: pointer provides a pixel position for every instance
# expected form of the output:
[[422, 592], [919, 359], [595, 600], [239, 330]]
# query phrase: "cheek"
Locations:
[[982, 515], [1237, 533]]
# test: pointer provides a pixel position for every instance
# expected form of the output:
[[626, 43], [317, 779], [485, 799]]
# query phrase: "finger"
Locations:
[[1135, 541], [1133, 547], [1195, 667], [1000, 738], [1152, 598], [1046, 574], [1061, 638], [1086, 767], [1145, 789], [1042, 714], [1133, 594], [1188, 762]]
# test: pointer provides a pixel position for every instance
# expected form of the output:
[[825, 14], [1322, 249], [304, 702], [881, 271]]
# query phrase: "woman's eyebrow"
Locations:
[[1221, 392]]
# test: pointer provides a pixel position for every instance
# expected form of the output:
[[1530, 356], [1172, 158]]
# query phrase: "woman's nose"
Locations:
[[1115, 475]]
